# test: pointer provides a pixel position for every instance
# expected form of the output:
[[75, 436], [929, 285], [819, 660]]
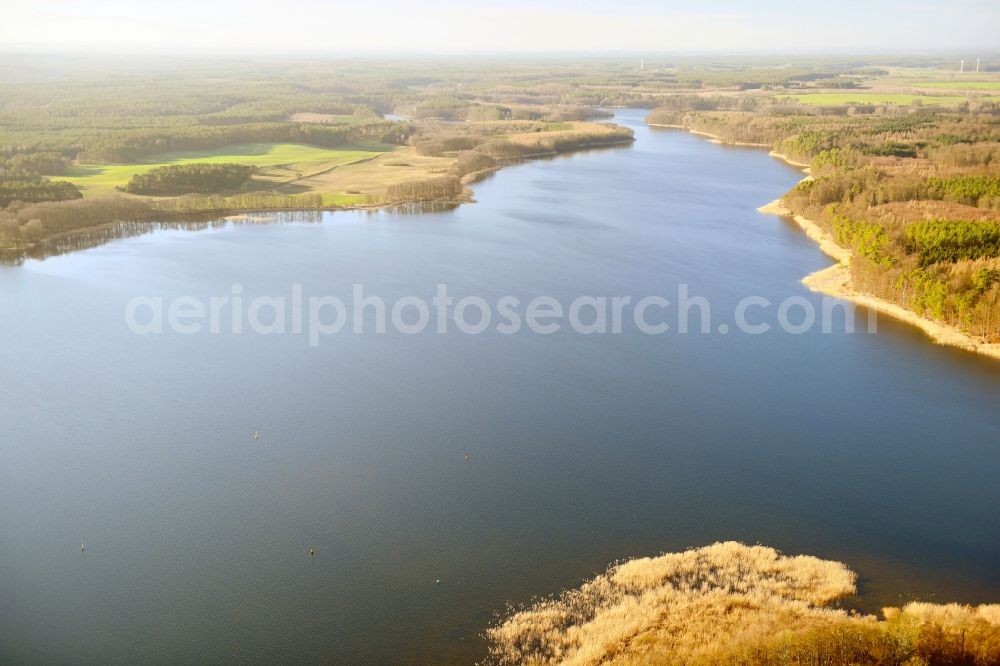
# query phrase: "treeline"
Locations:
[[803, 133], [473, 110], [730, 126], [34, 190], [427, 189], [948, 270], [176, 179], [935, 241], [471, 161], [930, 241], [34, 164], [975, 190], [875, 187], [270, 110], [130, 145], [51, 153], [439, 145], [521, 139], [23, 225], [439, 140], [669, 105], [868, 240], [965, 295], [576, 136], [247, 201]]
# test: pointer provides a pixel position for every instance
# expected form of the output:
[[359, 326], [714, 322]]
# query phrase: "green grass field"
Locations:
[[834, 99], [960, 85], [299, 158], [330, 199]]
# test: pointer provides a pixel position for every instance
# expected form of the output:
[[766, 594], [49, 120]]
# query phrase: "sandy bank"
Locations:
[[836, 280], [788, 160]]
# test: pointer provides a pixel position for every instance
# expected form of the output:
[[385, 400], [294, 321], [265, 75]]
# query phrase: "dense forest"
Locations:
[[98, 146], [189, 178], [437, 188], [32, 189]]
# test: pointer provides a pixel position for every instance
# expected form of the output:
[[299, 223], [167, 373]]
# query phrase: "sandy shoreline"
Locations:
[[836, 280]]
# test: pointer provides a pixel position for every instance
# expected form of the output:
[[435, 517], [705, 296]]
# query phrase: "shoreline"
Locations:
[[714, 138], [636, 613], [14, 253], [836, 280], [590, 145]]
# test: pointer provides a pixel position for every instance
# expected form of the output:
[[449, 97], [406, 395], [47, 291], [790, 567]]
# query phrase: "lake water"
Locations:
[[878, 450]]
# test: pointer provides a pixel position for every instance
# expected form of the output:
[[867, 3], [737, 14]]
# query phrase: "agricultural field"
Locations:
[[961, 85], [280, 162], [345, 187], [900, 99]]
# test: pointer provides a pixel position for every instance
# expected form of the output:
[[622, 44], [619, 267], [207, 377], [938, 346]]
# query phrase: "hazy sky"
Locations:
[[311, 27]]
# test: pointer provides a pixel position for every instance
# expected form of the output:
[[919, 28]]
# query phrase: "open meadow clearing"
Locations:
[[295, 159], [370, 179]]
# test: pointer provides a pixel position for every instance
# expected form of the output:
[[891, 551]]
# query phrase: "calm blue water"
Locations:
[[878, 450]]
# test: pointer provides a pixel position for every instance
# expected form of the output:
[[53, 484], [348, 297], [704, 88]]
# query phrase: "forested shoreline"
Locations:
[[883, 164], [913, 193], [176, 191]]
